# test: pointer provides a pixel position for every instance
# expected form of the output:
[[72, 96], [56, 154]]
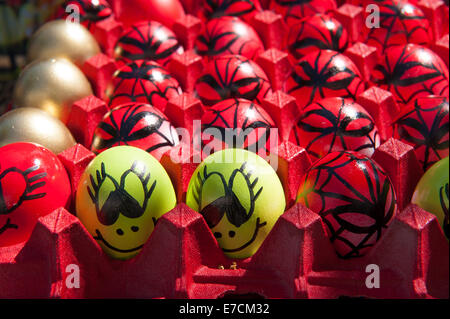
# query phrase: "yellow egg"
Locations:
[[240, 196], [121, 195]]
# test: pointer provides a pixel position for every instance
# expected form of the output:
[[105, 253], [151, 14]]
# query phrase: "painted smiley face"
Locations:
[[240, 197], [120, 201]]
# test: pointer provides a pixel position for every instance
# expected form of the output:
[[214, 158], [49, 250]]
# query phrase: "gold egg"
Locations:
[[62, 39], [52, 85], [28, 124]]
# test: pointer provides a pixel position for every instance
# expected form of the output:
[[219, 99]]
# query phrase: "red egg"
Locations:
[[400, 23], [148, 40], [319, 32], [232, 76], [295, 10], [165, 11], [424, 124], [143, 81], [90, 11], [322, 74], [229, 35], [336, 124], [354, 197], [243, 9], [411, 71], [33, 183], [241, 124], [138, 125]]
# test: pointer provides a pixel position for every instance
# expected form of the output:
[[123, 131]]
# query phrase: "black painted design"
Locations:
[[225, 84], [219, 8], [91, 12], [32, 183], [392, 15], [352, 200], [144, 82], [229, 204], [318, 78], [431, 136], [337, 128], [148, 46], [248, 127], [394, 76], [119, 201], [121, 133]]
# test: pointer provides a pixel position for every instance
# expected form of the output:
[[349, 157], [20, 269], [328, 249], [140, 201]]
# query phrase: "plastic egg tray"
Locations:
[[182, 259]]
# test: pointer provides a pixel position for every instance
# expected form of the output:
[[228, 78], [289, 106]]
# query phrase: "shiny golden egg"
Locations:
[[52, 85], [29, 124], [62, 39]]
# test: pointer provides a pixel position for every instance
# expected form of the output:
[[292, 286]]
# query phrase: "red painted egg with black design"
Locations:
[[295, 10], [319, 32], [135, 124], [238, 123], [336, 124], [321, 74], [232, 76], [33, 183], [90, 11], [148, 40], [244, 9], [411, 71], [400, 22], [229, 35], [142, 81], [355, 198], [424, 124]]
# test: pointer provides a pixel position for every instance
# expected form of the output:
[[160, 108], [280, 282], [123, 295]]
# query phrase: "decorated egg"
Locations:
[[33, 183], [52, 85], [400, 22], [147, 40], [145, 82], [238, 123], [122, 194], [243, 9], [318, 32], [229, 35], [232, 76], [295, 10], [138, 125], [240, 197], [164, 11], [62, 39], [90, 11], [355, 198], [424, 124], [321, 74], [432, 193], [336, 124], [29, 124], [411, 71]]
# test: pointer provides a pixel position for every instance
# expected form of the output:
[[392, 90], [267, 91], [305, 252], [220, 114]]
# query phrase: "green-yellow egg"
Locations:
[[240, 196], [120, 197], [432, 193]]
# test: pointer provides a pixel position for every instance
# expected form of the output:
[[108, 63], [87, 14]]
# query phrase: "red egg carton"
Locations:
[[296, 260]]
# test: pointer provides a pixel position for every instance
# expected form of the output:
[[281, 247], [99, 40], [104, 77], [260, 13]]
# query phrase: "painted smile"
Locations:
[[99, 237], [255, 234]]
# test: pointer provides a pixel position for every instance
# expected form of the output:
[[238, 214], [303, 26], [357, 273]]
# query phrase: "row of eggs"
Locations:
[[233, 190], [125, 190]]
